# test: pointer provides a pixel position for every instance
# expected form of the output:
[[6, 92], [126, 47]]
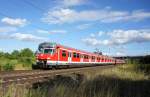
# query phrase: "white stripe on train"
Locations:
[[66, 63]]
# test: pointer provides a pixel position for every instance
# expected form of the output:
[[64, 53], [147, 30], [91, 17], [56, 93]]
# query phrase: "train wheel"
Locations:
[[34, 66]]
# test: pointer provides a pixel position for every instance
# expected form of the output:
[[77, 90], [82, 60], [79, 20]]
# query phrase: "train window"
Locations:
[[97, 58], [78, 55], [86, 56], [74, 55], [49, 51], [93, 57], [64, 53]]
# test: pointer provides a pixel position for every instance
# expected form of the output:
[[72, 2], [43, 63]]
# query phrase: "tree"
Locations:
[[26, 53], [7, 55], [26, 57], [2, 54], [15, 54]]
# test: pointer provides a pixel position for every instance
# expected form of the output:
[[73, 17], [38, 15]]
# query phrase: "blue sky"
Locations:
[[116, 28]]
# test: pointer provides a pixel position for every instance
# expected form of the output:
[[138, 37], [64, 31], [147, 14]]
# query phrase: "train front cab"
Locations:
[[46, 58]]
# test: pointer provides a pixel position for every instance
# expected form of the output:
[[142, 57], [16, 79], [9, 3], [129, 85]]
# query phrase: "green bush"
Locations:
[[26, 61], [13, 62], [8, 67], [24, 57]]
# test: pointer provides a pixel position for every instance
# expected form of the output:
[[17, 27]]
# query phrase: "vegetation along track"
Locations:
[[32, 76]]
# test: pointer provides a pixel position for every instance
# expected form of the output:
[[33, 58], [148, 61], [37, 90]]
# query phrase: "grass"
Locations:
[[22, 67], [121, 81], [125, 72]]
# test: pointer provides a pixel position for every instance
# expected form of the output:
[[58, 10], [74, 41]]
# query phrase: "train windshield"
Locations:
[[49, 51]]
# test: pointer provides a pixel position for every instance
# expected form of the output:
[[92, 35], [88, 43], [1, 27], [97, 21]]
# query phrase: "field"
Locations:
[[121, 81], [128, 80]]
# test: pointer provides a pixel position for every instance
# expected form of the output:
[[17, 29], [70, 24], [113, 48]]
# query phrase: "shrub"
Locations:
[[26, 61], [8, 67]]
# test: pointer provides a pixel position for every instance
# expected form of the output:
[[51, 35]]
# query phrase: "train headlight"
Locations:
[[48, 58], [37, 61]]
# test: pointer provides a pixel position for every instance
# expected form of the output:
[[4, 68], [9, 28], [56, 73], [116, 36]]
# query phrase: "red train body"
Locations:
[[54, 55]]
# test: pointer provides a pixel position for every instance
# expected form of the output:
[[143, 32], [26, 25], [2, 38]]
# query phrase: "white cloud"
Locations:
[[100, 33], [92, 35], [66, 15], [135, 15], [58, 31], [139, 15], [129, 36], [115, 54], [1, 50], [14, 22], [23, 37], [68, 3], [27, 37], [7, 29], [59, 16], [120, 54], [95, 42], [83, 26], [120, 37], [52, 31], [42, 31]]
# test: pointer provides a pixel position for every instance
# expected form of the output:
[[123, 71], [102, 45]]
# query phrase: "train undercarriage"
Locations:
[[44, 65]]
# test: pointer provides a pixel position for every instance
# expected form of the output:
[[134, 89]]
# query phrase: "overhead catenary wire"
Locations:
[[2, 14], [33, 5]]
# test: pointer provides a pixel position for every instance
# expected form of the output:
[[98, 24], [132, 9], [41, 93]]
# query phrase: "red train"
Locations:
[[52, 55]]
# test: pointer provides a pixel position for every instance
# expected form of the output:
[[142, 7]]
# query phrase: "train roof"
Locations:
[[46, 45], [77, 50]]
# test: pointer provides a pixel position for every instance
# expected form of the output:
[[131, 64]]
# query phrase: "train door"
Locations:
[[58, 56], [81, 56], [69, 57]]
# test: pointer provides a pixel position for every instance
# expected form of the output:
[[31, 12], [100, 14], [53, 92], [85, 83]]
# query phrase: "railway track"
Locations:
[[33, 76]]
